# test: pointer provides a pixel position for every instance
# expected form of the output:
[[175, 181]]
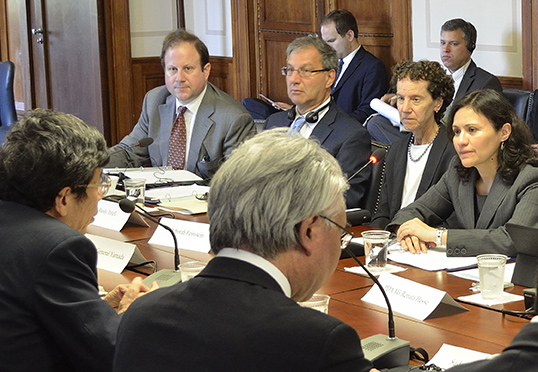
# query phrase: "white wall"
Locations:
[[498, 24], [152, 20]]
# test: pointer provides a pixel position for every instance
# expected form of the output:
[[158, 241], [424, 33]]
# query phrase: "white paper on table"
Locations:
[[472, 274], [112, 255], [477, 299], [450, 356], [435, 260], [156, 175], [169, 194], [410, 298], [193, 236]]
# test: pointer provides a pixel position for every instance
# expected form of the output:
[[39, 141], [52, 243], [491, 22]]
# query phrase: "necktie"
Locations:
[[340, 64], [297, 125], [178, 141]]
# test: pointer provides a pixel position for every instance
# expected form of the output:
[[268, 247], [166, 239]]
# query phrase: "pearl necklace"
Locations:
[[425, 151]]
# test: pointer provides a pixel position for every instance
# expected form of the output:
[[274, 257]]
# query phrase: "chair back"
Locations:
[[521, 100], [371, 199], [8, 114]]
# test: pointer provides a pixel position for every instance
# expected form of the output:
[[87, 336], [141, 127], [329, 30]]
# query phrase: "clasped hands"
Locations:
[[415, 236], [121, 297]]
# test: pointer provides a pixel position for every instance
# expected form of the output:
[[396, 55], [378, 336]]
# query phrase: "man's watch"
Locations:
[[439, 236]]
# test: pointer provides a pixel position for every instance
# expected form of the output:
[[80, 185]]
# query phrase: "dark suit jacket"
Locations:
[[51, 317], [441, 154], [364, 79], [343, 138], [232, 317], [221, 122], [519, 356], [516, 204], [476, 78]]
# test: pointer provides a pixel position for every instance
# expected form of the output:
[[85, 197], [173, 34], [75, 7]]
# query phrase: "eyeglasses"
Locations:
[[104, 185], [346, 236], [303, 72]]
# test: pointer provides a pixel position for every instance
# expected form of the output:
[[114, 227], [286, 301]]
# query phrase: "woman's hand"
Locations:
[[415, 236]]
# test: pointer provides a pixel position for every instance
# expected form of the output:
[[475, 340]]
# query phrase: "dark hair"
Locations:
[[467, 29], [343, 22], [45, 152], [179, 36], [440, 85], [517, 150]]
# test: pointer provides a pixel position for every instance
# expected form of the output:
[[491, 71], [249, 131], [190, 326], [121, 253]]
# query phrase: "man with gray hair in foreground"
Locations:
[[276, 208]]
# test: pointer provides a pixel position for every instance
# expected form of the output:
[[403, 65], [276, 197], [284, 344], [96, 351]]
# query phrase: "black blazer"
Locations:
[[364, 79], [476, 78], [232, 317], [345, 139], [51, 315], [441, 153]]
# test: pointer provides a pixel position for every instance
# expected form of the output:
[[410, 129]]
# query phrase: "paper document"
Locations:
[[157, 175], [435, 260], [472, 274], [450, 356]]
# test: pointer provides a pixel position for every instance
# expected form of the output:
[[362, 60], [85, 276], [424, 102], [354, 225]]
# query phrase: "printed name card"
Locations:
[[412, 299], [193, 236], [110, 216], [112, 255]]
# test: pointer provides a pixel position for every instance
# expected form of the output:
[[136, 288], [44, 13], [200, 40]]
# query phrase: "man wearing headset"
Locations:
[[310, 74]]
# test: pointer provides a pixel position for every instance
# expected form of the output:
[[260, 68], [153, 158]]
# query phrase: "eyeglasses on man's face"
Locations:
[[346, 236], [303, 72], [103, 186]]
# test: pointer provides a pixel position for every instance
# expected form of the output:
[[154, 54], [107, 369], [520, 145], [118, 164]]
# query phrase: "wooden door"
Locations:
[[65, 58]]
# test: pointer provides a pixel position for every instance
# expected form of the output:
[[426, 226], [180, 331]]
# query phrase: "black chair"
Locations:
[[532, 116], [8, 114], [521, 100]]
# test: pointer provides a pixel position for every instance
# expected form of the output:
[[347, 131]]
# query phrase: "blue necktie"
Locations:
[[297, 125], [340, 64]]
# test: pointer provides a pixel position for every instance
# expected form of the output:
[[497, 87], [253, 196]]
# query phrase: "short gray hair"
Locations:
[[45, 152], [267, 187], [329, 59]]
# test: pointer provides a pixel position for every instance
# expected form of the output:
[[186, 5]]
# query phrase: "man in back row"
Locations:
[[310, 73], [194, 124], [457, 43]]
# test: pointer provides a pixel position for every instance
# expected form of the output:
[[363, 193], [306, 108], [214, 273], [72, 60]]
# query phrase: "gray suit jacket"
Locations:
[[221, 122], [441, 154], [517, 204]]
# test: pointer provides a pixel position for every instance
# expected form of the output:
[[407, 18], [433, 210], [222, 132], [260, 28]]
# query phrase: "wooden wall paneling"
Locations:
[[222, 73], [529, 16], [122, 114], [3, 31], [272, 57], [285, 15], [147, 74], [244, 49]]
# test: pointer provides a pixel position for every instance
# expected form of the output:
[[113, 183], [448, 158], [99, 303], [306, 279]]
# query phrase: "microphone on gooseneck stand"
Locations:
[[384, 351], [358, 216], [144, 142], [166, 277]]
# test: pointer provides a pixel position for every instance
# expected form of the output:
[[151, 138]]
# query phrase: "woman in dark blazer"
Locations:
[[492, 182], [417, 161]]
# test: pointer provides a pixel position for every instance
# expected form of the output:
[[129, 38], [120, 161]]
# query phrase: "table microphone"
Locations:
[[383, 351], [377, 155], [144, 142], [166, 277]]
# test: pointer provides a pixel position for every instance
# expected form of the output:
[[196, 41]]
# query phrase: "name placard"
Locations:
[[412, 299], [112, 255], [110, 216], [193, 236]]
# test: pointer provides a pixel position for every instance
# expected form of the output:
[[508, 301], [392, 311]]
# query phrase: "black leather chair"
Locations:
[[532, 116], [8, 114], [521, 100]]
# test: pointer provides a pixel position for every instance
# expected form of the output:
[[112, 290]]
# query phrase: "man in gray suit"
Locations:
[[194, 124]]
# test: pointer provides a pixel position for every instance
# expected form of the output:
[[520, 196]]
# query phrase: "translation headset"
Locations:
[[312, 116]]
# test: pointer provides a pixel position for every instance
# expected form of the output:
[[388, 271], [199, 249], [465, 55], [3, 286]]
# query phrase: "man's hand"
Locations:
[[121, 297]]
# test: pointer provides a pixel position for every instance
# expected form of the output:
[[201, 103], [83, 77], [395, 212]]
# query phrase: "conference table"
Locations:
[[482, 328]]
